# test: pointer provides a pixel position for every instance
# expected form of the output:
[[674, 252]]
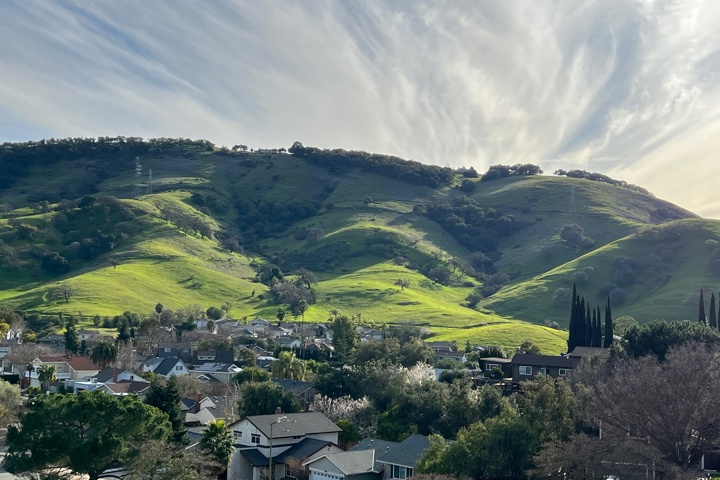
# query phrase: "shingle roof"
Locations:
[[166, 366], [128, 386], [255, 457], [202, 417], [76, 363], [579, 352], [533, 360], [302, 449], [353, 462], [296, 424], [405, 453], [296, 387], [108, 374]]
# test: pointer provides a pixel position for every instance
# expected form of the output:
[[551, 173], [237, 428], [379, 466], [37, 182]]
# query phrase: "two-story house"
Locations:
[[66, 368], [526, 366], [301, 436], [166, 367], [395, 459]]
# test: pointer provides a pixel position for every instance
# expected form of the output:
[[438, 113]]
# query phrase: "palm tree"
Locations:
[[103, 354], [46, 374], [288, 366], [217, 442]]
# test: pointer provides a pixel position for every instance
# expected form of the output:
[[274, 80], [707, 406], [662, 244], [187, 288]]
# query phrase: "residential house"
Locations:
[[459, 357], [304, 391], [54, 342], [6, 347], [165, 367], [395, 459], [579, 352], [201, 357], [264, 361], [259, 325], [277, 332], [526, 366], [87, 335], [253, 440], [127, 387], [440, 346], [287, 341], [359, 465], [66, 368], [367, 334], [223, 372], [115, 375], [183, 351], [488, 363]]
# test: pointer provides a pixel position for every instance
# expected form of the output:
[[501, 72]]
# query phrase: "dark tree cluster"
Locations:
[[475, 228], [586, 325], [501, 171], [341, 161], [187, 223], [599, 177], [209, 202], [711, 320], [260, 219], [17, 158]]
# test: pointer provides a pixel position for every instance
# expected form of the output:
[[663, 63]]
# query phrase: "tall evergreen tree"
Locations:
[[581, 322], [713, 315], [72, 339], [166, 397], [588, 326], [572, 335], [597, 341], [608, 326], [701, 310]]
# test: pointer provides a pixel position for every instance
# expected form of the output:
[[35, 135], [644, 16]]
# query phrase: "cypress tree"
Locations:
[[608, 326], [581, 322], [598, 330], [713, 317], [572, 328], [701, 310], [588, 326], [593, 322]]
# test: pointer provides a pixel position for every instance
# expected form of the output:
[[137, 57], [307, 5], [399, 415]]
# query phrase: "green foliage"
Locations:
[[217, 442], [501, 171], [9, 402], [657, 337], [264, 398], [103, 354], [165, 396], [344, 337], [599, 177], [85, 433], [214, 313]]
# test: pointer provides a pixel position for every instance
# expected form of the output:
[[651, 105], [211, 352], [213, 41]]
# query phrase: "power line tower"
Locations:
[[138, 186], [573, 204], [149, 187]]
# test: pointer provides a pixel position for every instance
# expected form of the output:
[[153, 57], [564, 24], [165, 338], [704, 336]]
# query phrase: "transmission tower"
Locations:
[[149, 188], [573, 205], [138, 186]]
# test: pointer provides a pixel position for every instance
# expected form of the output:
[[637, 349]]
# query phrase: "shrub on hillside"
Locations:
[[562, 296], [55, 263]]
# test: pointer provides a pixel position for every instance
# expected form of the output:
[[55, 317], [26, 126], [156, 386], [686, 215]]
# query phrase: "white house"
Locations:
[[166, 367], [294, 435], [344, 466], [66, 368]]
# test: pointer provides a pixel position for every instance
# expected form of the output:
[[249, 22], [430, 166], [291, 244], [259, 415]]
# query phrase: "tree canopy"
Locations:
[[84, 433]]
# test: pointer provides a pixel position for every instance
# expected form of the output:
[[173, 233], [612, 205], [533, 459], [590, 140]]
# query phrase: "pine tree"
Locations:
[[701, 311], [608, 325], [166, 396], [72, 339], [713, 316]]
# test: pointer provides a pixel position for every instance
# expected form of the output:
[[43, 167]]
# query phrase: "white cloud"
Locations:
[[623, 87]]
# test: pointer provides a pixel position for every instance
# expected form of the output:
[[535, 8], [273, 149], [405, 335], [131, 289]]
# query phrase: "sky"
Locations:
[[630, 89]]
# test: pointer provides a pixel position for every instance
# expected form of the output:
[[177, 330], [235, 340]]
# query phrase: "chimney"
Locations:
[[115, 372], [278, 410], [197, 402]]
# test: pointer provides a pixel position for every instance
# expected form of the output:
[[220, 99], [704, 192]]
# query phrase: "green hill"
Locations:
[[360, 222]]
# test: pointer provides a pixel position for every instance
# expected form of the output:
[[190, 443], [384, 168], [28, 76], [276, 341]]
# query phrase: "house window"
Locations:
[[563, 372], [490, 366], [401, 472], [178, 367], [255, 438], [525, 370], [237, 436], [543, 371], [290, 472]]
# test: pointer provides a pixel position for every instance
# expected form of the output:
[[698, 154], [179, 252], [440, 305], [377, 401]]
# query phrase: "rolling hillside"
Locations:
[[358, 226]]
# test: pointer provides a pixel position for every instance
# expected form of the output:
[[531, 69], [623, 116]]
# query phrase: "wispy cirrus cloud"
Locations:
[[629, 88]]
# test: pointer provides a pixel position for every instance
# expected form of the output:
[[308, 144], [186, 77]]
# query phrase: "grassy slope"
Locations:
[[161, 264]]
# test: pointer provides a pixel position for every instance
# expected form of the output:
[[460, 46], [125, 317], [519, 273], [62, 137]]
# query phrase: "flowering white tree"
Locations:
[[359, 412]]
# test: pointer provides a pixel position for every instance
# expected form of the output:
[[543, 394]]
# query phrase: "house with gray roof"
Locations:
[[166, 367], [526, 366], [358, 465], [255, 434], [395, 459]]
